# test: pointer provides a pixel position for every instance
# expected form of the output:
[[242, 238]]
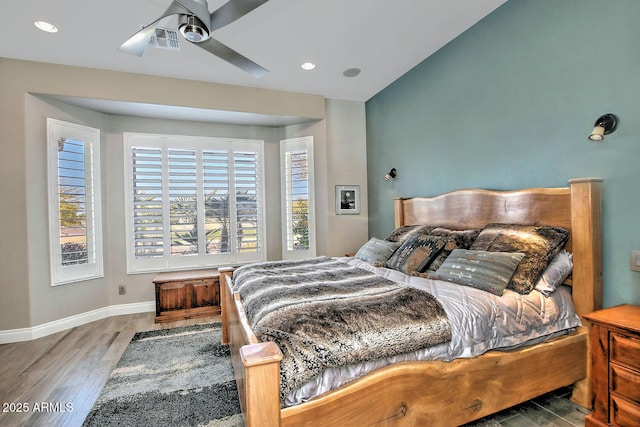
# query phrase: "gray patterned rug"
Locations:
[[171, 377]]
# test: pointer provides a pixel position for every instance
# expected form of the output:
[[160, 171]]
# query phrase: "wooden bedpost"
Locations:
[[225, 277], [261, 394], [586, 222], [399, 211], [256, 364]]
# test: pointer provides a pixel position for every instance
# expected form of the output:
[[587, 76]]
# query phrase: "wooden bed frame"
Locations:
[[432, 393]]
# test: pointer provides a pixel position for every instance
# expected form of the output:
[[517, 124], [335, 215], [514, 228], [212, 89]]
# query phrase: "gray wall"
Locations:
[[509, 104]]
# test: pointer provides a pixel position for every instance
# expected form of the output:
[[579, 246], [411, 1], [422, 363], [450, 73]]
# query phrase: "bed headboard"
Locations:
[[577, 208]]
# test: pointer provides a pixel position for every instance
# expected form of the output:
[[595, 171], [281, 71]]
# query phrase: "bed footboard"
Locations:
[[256, 364], [447, 393]]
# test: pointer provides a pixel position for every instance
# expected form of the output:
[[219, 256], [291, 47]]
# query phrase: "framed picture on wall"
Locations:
[[347, 199]]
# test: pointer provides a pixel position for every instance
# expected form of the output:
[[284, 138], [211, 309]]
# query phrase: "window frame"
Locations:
[[94, 267], [167, 142], [288, 146]]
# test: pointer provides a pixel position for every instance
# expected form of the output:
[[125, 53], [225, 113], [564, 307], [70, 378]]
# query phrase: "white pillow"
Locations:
[[556, 272]]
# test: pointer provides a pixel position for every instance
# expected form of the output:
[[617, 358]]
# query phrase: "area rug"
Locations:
[[171, 377]]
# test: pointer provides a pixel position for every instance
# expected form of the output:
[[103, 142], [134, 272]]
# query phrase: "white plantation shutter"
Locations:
[[148, 225], [75, 224], [73, 187], [248, 201], [296, 157], [193, 202], [183, 208], [215, 165], [297, 200]]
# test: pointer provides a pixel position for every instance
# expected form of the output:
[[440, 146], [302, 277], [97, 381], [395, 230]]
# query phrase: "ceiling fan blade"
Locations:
[[232, 10], [138, 43], [231, 56]]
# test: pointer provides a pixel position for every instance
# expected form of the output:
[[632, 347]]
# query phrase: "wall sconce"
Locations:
[[605, 125], [391, 174]]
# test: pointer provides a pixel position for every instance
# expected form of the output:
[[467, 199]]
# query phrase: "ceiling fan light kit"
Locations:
[[196, 24], [192, 29]]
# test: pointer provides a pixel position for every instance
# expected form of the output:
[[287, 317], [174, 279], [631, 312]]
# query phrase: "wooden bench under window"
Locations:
[[187, 294]]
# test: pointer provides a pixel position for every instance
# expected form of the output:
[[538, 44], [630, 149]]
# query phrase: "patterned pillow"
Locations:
[[557, 271], [401, 234], [538, 244], [415, 253], [487, 271], [456, 239], [376, 250]]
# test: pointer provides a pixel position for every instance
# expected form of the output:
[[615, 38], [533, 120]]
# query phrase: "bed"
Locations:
[[433, 392]]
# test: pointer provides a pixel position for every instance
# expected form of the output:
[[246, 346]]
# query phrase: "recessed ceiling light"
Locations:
[[45, 26], [308, 66], [351, 72]]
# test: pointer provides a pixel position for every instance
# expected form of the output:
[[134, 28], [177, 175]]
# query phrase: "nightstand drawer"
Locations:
[[624, 413], [624, 350], [625, 382]]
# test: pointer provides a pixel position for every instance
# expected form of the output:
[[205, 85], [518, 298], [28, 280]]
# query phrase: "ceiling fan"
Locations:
[[196, 25]]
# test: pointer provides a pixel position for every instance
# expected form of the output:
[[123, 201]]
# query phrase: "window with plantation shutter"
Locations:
[[193, 202], [298, 222], [75, 224]]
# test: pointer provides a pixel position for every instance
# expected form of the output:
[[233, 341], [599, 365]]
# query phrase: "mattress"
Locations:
[[480, 321]]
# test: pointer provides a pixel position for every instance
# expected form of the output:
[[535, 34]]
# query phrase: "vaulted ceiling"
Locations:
[[383, 39]]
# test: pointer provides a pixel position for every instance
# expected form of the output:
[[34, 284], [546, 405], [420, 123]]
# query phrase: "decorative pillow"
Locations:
[[415, 253], [557, 271], [488, 271], [401, 234], [456, 239], [539, 244], [376, 250]]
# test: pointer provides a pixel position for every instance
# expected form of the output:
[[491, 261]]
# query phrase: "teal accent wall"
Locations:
[[509, 104]]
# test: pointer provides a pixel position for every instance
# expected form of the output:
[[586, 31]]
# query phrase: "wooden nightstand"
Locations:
[[615, 366], [187, 294]]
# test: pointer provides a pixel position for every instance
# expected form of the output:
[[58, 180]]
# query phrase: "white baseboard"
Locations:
[[28, 334]]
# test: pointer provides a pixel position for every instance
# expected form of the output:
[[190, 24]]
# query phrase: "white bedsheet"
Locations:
[[480, 321]]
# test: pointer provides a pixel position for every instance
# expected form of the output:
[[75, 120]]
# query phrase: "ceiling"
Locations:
[[384, 39]]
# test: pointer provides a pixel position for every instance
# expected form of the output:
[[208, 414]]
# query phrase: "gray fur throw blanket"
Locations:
[[321, 312]]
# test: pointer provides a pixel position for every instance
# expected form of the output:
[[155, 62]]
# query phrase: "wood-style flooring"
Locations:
[[55, 380], [67, 370]]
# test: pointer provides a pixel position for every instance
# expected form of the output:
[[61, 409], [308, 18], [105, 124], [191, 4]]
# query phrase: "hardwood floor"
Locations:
[[56, 379]]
